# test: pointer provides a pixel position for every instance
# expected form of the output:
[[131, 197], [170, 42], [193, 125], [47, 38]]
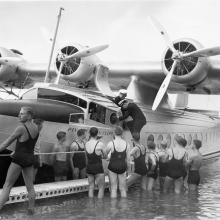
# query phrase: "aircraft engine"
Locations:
[[190, 70], [78, 69], [8, 72]]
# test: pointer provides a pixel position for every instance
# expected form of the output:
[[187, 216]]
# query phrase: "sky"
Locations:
[[124, 25]]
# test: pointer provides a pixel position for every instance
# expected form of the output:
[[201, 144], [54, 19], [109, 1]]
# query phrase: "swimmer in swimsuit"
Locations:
[[152, 162], [60, 159], [95, 172], [26, 135], [176, 165], [118, 163], [163, 157], [138, 154], [78, 160], [194, 162]]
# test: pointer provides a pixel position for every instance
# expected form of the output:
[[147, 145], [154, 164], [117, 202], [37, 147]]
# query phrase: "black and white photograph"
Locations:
[[109, 109]]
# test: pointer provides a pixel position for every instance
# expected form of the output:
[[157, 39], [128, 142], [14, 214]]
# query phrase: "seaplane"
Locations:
[[186, 67]]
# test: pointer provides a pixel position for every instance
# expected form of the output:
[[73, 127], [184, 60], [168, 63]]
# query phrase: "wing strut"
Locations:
[[53, 45]]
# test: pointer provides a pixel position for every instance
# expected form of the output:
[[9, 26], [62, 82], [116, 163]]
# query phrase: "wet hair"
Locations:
[[184, 142], [38, 121], [136, 136], [150, 138], [81, 132], [93, 131], [61, 134], [118, 131], [180, 140], [29, 110], [197, 143], [163, 144], [151, 145]]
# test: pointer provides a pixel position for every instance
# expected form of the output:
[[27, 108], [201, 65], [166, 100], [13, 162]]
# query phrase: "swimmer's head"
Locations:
[[26, 113], [197, 144], [151, 145], [150, 138], [61, 135], [93, 131], [81, 132], [136, 136], [180, 140], [118, 131], [163, 144]]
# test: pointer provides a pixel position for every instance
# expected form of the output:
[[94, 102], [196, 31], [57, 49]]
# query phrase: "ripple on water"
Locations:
[[203, 205]]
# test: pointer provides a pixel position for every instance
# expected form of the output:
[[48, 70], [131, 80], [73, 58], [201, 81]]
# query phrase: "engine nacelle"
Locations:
[[189, 71], [8, 72], [76, 69]]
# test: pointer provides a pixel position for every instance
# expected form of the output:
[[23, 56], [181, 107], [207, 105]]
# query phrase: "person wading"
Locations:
[[26, 135]]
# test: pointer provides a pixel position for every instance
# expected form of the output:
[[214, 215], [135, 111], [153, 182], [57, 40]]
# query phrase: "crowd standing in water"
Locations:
[[126, 164]]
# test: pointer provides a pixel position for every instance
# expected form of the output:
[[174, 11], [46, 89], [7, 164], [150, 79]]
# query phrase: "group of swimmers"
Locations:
[[126, 164], [178, 166]]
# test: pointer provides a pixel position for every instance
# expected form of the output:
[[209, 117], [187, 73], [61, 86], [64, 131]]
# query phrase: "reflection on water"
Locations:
[[203, 205]]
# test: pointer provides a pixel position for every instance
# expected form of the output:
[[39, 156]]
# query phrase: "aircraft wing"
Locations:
[[36, 69]]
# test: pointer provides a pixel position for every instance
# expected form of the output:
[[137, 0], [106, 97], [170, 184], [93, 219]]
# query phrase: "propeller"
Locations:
[[86, 52], [82, 53], [163, 33], [205, 52], [177, 57], [163, 88]]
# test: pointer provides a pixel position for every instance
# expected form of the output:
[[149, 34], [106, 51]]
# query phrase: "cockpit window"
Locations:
[[30, 94], [61, 96]]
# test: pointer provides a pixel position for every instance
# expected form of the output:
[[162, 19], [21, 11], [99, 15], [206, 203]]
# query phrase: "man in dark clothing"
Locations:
[[138, 119]]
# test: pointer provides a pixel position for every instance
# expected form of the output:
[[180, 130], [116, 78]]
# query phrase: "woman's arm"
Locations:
[[108, 149], [15, 135]]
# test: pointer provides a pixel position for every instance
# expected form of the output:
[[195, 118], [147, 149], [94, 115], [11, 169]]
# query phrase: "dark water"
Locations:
[[203, 205]]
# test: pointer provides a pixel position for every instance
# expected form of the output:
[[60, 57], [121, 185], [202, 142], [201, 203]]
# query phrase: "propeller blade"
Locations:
[[87, 52], [163, 87], [163, 33], [205, 52]]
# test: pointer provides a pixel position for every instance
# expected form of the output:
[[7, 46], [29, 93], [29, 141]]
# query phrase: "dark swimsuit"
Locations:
[[24, 151], [79, 159], [175, 168], [139, 164], [162, 169], [94, 165], [193, 177], [117, 162], [153, 173]]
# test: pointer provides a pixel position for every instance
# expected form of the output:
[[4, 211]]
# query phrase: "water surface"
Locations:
[[139, 205]]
